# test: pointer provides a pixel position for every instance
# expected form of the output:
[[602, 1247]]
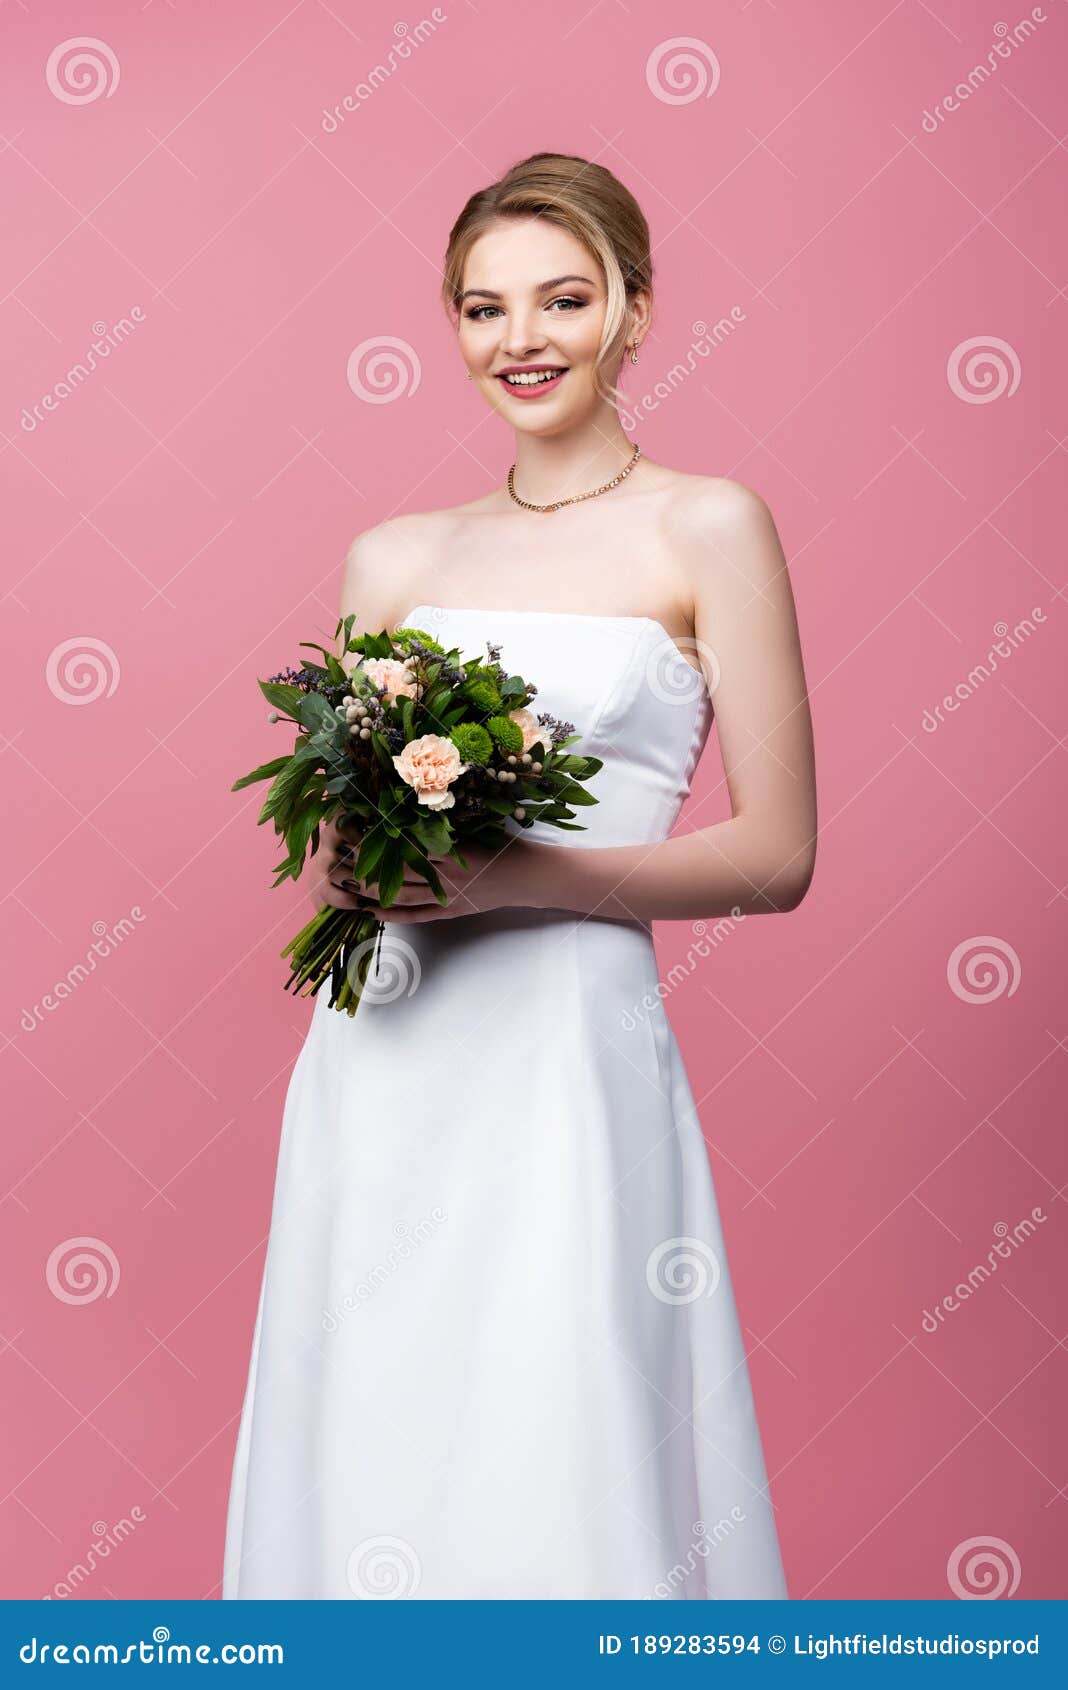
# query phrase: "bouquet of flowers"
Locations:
[[425, 751]]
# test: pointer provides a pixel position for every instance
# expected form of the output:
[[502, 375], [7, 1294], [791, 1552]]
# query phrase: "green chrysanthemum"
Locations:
[[483, 693], [506, 733], [420, 634], [472, 742]]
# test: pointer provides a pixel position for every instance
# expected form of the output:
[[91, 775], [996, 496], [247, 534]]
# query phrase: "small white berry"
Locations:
[[511, 759], [526, 758], [537, 768], [519, 812], [365, 733], [272, 715]]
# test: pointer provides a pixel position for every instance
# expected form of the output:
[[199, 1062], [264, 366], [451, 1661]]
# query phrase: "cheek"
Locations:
[[476, 345], [580, 333]]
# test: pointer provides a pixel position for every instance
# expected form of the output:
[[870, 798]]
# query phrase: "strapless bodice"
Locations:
[[624, 683]]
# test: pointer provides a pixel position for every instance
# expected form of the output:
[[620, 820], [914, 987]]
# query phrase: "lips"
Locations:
[[534, 379]]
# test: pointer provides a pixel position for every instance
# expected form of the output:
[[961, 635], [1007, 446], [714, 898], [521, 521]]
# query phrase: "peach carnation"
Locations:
[[391, 673], [532, 732], [430, 764]]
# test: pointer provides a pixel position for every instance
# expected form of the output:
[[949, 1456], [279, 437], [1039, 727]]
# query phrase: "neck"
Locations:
[[556, 466]]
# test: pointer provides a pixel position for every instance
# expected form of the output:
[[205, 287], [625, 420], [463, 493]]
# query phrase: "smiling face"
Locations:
[[530, 323]]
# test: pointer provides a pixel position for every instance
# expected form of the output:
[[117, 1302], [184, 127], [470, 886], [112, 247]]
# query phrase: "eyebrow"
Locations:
[[542, 287]]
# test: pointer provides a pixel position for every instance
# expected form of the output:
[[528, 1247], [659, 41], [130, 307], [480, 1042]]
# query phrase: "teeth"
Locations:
[[531, 378]]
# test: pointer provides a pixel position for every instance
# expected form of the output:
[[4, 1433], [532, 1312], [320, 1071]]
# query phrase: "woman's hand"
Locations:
[[332, 883], [493, 879]]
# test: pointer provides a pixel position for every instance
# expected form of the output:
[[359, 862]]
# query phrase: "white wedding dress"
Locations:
[[497, 1352]]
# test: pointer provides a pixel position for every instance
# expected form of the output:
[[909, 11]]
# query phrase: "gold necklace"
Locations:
[[558, 504]]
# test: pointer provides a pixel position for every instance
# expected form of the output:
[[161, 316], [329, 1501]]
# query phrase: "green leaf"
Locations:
[[436, 697], [382, 752], [301, 829], [572, 793], [372, 847], [266, 771], [434, 834], [581, 767], [285, 698], [390, 874], [285, 790], [315, 712], [418, 860]]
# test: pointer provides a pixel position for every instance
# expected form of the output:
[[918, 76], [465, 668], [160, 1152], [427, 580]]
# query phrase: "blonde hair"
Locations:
[[591, 204]]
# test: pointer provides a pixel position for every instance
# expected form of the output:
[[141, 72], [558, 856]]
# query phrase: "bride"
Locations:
[[496, 1352]]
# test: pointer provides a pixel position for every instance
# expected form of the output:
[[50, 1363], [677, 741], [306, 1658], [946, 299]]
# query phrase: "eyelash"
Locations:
[[474, 312]]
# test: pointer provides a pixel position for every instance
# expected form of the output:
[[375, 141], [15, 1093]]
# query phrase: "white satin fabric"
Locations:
[[497, 1352]]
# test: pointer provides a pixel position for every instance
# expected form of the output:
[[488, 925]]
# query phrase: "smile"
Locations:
[[527, 384]]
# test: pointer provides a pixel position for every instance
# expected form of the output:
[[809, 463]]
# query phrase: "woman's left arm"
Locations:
[[760, 860]]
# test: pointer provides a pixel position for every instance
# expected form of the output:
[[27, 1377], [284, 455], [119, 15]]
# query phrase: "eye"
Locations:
[[570, 302]]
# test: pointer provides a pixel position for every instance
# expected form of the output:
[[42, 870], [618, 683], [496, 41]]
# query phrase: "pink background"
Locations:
[[185, 511]]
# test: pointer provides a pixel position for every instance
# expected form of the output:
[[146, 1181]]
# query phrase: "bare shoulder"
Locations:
[[727, 536], [387, 564], [388, 544], [716, 504]]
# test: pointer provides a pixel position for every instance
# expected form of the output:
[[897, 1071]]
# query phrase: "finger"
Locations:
[[414, 892], [410, 915], [341, 900]]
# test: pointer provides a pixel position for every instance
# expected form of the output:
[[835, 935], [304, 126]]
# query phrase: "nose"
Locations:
[[522, 335]]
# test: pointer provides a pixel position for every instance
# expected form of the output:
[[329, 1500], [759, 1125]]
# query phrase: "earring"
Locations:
[[634, 354], [470, 377]]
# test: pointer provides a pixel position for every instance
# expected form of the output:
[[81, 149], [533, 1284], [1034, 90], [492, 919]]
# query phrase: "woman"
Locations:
[[497, 1352]]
